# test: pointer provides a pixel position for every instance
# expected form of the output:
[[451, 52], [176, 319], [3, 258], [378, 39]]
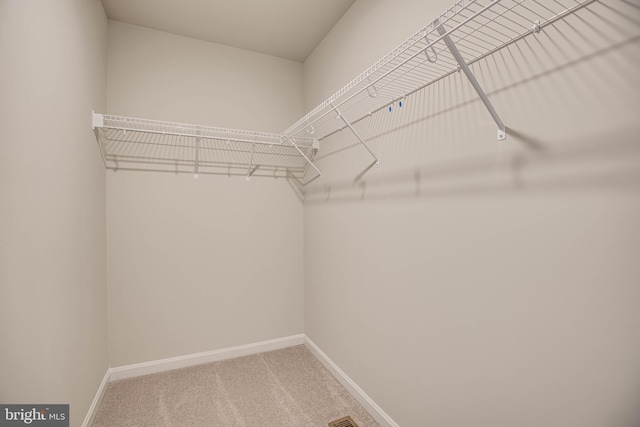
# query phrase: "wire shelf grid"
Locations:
[[133, 141], [477, 27]]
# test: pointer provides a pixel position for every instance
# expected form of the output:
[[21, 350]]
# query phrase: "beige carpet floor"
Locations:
[[287, 387]]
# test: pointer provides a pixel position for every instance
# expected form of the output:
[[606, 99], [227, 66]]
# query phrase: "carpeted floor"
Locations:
[[287, 387]]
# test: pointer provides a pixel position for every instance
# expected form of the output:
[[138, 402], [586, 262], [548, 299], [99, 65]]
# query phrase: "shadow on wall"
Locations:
[[566, 167], [276, 174], [567, 96]]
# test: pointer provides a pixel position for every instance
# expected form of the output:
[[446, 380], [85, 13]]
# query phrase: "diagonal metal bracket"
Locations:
[[253, 151], [293, 142], [346, 122], [196, 161], [196, 166], [502, 130]]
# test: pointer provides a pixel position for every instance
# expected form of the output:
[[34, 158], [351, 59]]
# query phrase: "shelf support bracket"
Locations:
[[292, 142], [502, 130], [253, 150], [98, 122], [346, 122], [197, 159]]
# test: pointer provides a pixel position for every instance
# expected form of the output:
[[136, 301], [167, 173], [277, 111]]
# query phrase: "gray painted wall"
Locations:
[[198, 265], [53, 298], [470, 281]]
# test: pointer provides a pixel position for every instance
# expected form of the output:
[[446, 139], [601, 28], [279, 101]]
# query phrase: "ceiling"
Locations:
[[288, 29]]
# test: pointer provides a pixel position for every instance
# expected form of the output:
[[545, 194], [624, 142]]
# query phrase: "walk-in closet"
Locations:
[[343, 213]]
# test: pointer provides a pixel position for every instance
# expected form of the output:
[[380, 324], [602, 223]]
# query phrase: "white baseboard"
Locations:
[[91, 413], [376, 412], [155, 366]]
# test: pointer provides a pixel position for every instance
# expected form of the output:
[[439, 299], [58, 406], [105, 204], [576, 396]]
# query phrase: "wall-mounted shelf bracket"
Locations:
[[97, 120], [502, 130], [253, 151], [197, 160], [293, 143], [346, 122], [536, 26]]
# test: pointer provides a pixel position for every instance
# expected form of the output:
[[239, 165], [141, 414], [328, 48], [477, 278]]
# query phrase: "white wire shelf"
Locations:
[[465, 33], [133, 143], [477, 28]]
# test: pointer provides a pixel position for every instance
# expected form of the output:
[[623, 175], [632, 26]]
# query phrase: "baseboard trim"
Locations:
[[376, 412], [91, 413], [146, 368]]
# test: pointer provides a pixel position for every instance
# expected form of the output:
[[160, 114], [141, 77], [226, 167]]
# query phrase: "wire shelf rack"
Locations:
[[477, 28], [133, 143], [465, 33]]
